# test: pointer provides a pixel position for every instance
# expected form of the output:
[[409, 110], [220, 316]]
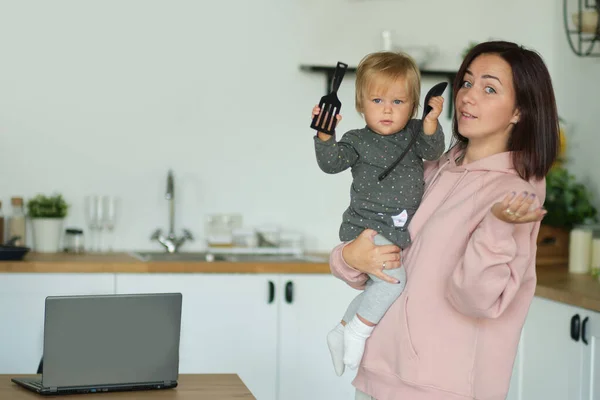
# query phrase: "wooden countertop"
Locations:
[[554, 280], [196, 387], [125, 263]]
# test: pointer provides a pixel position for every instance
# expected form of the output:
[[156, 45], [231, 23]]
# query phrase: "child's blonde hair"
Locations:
[[387, 67]]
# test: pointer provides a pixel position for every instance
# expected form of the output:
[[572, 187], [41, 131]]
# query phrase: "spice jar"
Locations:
[[16, 222], [74, 240]]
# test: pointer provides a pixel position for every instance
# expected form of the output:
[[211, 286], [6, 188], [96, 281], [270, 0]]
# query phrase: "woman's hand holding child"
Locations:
[[363, 255]]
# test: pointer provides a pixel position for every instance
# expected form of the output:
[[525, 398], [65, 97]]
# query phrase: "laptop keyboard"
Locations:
[[35, 383]]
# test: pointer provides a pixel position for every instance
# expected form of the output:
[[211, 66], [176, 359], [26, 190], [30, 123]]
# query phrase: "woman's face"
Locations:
[[485, 103]]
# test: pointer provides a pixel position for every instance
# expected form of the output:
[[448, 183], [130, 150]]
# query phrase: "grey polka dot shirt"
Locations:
[[386, 206]]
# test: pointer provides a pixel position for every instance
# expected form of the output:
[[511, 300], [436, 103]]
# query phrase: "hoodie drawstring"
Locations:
[[435, 177]]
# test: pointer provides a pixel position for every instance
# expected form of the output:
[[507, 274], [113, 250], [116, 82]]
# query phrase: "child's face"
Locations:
[[387, 108]]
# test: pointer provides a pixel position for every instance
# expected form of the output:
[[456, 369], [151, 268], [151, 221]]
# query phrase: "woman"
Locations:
[[454, 331]]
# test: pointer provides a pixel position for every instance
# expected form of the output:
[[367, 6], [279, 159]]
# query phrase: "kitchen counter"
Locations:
[[554, 280], [126, 263], [556, 283]]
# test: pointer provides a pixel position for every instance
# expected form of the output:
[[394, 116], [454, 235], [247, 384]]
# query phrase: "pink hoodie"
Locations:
[[454, 331]]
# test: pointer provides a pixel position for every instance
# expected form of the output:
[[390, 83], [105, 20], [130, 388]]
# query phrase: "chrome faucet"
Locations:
[[171, 242]]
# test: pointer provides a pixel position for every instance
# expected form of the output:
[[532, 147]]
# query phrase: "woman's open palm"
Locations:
[[518, 209]]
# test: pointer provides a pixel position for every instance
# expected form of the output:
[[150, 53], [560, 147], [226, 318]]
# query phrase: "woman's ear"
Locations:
[[516, 117]]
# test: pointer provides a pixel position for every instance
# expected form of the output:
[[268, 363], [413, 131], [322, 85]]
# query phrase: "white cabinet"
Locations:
[[552, 360], [590, 337], [228, 324], [559, 350], [22, 298], [311, 306], [269, 329]]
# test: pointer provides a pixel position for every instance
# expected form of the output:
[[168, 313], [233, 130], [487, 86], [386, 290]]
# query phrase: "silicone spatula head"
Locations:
[[435, 91]]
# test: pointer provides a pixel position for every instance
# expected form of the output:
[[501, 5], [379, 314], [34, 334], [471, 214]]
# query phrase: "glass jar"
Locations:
[[74, 242], [16, 222], [219, 231]]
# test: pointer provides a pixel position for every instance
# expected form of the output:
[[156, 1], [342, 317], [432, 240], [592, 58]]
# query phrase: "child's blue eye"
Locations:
[[376, 101], [398, 101]]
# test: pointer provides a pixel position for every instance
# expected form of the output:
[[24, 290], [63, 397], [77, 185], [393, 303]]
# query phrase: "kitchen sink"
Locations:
[[179, 256], [149, 256], [273, 258]]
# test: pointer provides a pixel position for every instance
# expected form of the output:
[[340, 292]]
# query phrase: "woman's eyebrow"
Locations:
[[486, 76]]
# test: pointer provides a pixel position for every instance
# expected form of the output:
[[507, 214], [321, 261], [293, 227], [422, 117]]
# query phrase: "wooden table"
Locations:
[[191, 387]]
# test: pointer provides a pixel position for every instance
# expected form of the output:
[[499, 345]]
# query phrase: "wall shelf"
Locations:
[[582, 41], [329, 70]]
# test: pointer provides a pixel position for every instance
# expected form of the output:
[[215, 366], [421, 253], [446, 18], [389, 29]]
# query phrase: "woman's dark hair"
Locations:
[[534, 139]]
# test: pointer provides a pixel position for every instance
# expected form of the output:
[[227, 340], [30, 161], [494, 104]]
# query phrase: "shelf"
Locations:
[[582, 43], [329, 70]]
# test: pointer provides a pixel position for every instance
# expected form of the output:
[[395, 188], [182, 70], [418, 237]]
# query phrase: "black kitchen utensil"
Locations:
[[437, 90], [330, 104]]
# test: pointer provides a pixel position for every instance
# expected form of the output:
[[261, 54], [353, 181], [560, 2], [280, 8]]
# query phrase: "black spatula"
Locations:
[[330, 104], [437, 90]]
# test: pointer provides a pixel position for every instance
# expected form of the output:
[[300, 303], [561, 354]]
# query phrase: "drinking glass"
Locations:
[[93, 212], [109, 217]]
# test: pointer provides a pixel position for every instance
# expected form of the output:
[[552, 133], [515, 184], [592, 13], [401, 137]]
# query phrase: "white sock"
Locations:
[[355, 338], [335, 341]]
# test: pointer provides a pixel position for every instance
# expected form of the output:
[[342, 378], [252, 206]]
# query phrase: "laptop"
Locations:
[[106, 343]]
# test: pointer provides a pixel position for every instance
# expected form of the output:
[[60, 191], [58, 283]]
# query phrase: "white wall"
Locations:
[[577, 87], [106, 96]]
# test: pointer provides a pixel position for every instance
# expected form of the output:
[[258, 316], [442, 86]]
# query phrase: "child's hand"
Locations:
[[518, 209], [323, 136], [431, 119]]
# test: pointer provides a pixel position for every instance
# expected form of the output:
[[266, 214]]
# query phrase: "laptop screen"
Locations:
[[111, 339]]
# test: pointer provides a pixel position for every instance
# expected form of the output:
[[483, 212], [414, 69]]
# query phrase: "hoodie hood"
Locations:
[[501, 163]]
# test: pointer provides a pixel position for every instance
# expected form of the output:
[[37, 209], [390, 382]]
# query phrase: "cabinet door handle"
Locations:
[[583, 326], [271, 292], [575, 327], [289, 292]]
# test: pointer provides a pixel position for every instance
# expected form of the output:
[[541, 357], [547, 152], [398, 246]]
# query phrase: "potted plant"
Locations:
[[569, 203], [47, 214]]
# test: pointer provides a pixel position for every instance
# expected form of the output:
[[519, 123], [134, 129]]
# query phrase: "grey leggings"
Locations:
[[378, 295]]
